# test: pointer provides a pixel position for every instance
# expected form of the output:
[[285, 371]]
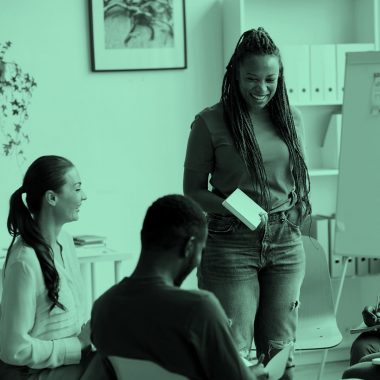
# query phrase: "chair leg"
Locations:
[[322, 367]]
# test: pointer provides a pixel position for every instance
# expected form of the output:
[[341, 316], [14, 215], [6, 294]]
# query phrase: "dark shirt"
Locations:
[[183, 331], [211, 150]]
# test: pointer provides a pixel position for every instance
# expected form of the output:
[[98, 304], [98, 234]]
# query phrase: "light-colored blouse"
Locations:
[[30, 335]]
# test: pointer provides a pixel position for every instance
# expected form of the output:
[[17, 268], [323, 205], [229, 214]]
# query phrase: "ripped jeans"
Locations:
[[257, 276]]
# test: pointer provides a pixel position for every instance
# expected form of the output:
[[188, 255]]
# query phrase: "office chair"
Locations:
[[135, 369], [317, 326]]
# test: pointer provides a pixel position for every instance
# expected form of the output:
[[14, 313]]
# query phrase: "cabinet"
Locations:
[[313, 37]]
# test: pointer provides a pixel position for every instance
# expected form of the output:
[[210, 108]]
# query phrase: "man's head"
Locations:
[[174, 223]]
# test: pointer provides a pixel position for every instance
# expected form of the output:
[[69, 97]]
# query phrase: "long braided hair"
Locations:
[[45, 173], [258, 42]]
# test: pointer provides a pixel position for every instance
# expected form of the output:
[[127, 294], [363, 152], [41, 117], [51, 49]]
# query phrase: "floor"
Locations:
[[332, 371]]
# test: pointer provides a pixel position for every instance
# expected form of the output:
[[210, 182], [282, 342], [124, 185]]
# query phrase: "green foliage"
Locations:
[[16, 89]]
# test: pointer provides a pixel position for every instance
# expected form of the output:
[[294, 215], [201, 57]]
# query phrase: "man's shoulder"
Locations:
[[205, 304], [197, 299]]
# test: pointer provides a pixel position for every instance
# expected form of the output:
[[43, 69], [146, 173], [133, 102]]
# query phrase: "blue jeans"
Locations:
[[257, 276]]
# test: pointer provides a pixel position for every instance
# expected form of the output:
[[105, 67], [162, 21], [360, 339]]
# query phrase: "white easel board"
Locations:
[[358, 196]]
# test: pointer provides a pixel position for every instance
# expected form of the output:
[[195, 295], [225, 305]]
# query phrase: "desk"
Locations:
[[88, 257]]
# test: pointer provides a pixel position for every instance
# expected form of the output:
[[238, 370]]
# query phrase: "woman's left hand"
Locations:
[[85, 335]]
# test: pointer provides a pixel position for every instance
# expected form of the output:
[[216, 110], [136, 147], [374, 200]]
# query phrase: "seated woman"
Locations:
[[43, 329], [365, 348]]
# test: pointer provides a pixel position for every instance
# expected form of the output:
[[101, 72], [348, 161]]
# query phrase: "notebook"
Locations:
[[244, 208], [277, 365]]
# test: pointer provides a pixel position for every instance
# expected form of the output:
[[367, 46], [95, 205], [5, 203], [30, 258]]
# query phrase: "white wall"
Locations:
[[125, 131]]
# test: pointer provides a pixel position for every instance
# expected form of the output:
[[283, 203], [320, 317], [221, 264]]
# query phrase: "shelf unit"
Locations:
[[347, 25], [323, 172]]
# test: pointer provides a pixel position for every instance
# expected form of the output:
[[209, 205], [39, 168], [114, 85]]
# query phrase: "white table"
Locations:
[[88, 257]]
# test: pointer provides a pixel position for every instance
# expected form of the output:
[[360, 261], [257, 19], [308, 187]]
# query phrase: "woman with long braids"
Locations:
[[253, 140], [43, 329]]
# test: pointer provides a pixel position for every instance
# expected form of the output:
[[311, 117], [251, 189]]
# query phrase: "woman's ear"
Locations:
[[51, 198]]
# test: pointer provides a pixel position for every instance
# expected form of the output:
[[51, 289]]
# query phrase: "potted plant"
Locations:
[[16, 89]]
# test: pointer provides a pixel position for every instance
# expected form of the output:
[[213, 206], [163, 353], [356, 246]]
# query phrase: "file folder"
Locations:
[[323, 73], [362, 266], [296, 60]]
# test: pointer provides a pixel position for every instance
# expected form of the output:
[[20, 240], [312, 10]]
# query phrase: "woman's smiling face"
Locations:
[[258, 77], [70, 197]]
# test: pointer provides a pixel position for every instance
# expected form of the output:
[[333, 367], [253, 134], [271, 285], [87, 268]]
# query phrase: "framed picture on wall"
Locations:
[[137, 35]]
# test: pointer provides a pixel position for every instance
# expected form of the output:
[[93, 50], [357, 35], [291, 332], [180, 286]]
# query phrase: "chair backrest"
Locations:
[[135, 369], [316, 291], [317, 325]]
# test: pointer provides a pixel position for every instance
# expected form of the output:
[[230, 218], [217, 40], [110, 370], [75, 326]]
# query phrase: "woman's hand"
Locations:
[[85, 335], [264, 220], [370, 316], [259, 370]]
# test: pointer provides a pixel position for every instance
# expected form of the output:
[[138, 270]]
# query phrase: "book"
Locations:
[[93, 240], [363, 328], [277, 365], [244, 208]]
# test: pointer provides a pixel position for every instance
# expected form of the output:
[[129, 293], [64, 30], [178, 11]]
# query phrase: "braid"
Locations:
[[239, 121]]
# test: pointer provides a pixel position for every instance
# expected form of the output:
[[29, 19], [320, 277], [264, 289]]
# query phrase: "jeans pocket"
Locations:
[[220, 223], [293, 218]]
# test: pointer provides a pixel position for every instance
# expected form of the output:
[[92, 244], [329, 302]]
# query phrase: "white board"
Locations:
[[358, 196]]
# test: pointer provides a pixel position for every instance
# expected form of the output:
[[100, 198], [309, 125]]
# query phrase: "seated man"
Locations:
[[365, 348], [147, 316]]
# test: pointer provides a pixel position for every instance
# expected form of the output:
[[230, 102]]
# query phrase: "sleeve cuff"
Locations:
[[72, 350]]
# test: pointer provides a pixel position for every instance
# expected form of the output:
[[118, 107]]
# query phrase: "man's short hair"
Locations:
[[170, 220]]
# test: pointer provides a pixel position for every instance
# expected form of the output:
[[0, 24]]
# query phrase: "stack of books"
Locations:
[[90, 241]]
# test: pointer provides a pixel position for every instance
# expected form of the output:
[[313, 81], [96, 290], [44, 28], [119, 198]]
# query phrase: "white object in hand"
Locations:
[[277, 365], [244, 208]]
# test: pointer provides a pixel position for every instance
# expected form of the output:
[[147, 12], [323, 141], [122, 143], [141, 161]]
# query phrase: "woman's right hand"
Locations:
[[259, 370], [85, 335], [371, 316]]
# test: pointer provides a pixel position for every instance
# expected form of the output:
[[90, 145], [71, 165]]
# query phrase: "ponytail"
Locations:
[[21, 223]]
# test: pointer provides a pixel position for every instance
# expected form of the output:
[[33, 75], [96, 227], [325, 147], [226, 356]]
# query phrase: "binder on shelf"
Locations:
[[374, 265], [351, 267], [336, 261], [331, 143], [341, 50], [296, 60], [323, 73], [335, 266], [362, 266]]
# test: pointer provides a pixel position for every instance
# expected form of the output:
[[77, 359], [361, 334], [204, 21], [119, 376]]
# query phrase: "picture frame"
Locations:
[[134, 35]]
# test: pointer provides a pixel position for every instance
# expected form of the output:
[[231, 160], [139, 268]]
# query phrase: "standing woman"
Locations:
[[253, 140], [43, 329]]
